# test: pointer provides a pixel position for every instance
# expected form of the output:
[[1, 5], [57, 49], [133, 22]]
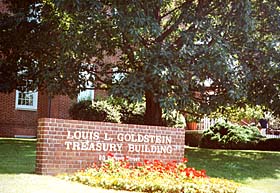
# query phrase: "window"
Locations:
[[26, 100], [86, 95], [117, 76]]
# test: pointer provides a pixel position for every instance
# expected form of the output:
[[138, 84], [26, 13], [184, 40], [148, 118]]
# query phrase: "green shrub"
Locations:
[[131, 113], [151, 177], [236, 113], [94, 111], [230, 136], [173, 119], [104, 111], [119, 110], [81, 111]]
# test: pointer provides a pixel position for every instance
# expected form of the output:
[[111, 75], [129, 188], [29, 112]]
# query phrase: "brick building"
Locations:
[[20, 111]]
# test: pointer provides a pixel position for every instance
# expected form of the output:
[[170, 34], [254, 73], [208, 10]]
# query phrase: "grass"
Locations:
[[255, 169], [17, 168], [17, 156]]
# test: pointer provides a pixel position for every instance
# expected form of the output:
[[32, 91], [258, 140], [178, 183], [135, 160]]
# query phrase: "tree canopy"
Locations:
[[192, 55]]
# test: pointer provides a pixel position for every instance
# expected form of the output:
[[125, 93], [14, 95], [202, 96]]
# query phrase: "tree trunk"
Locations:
[[153, 114]]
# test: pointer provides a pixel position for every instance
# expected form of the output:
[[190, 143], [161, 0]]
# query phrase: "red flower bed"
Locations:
[[150, 176]]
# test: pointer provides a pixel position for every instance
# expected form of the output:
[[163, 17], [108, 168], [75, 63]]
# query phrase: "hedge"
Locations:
[[228, 136]]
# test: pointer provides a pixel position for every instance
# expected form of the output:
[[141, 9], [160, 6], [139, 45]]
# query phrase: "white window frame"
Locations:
[[32, 107]]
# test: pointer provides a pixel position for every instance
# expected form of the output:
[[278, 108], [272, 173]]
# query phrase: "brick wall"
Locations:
[[23, 122], [13, 121], [57, 105], [65, 146]]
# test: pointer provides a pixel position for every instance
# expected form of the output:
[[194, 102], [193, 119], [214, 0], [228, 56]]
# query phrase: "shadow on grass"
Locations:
[[234, 164], [17, 156]]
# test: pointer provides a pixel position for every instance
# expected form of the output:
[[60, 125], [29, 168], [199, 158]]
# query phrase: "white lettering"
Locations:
[[77, 135], [169, 149], [113, 147], [98, 147], [68, 143], [152, 138], [120, 137], [69, 136], [153, 148], [158, 139], [140, 138], [84, 145], [85, 135], [76, 146], [119, 146], [130, 147], [127, 137], [136, 143], [106, 138], [168, 139], [146, 139], [91, 147], [95, 136]]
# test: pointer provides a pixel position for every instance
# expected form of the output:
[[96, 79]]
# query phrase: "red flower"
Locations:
[[147, 162], [126, 165], [185, 160], [110, 154], [125, 158]]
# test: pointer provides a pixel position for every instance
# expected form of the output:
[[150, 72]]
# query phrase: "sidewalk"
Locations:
[[30, 183]]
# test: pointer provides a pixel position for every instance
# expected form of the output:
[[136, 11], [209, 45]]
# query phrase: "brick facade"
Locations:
[[13, 121], [65, 146], [23, 122]]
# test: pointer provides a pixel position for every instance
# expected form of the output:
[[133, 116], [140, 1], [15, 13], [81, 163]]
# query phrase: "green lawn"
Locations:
[[17, 168], [255, 169], [17, 156]]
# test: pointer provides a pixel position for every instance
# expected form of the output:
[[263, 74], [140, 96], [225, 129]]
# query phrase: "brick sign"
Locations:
[[65, 146]]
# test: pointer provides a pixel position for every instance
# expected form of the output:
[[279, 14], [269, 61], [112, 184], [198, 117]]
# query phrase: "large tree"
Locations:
[[185, 55]]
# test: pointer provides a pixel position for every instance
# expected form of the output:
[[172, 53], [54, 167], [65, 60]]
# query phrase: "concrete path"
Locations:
[[29, 183]]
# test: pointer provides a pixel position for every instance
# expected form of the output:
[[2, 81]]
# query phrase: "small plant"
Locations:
[[230, 136], [156, 176], [192, 118]]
